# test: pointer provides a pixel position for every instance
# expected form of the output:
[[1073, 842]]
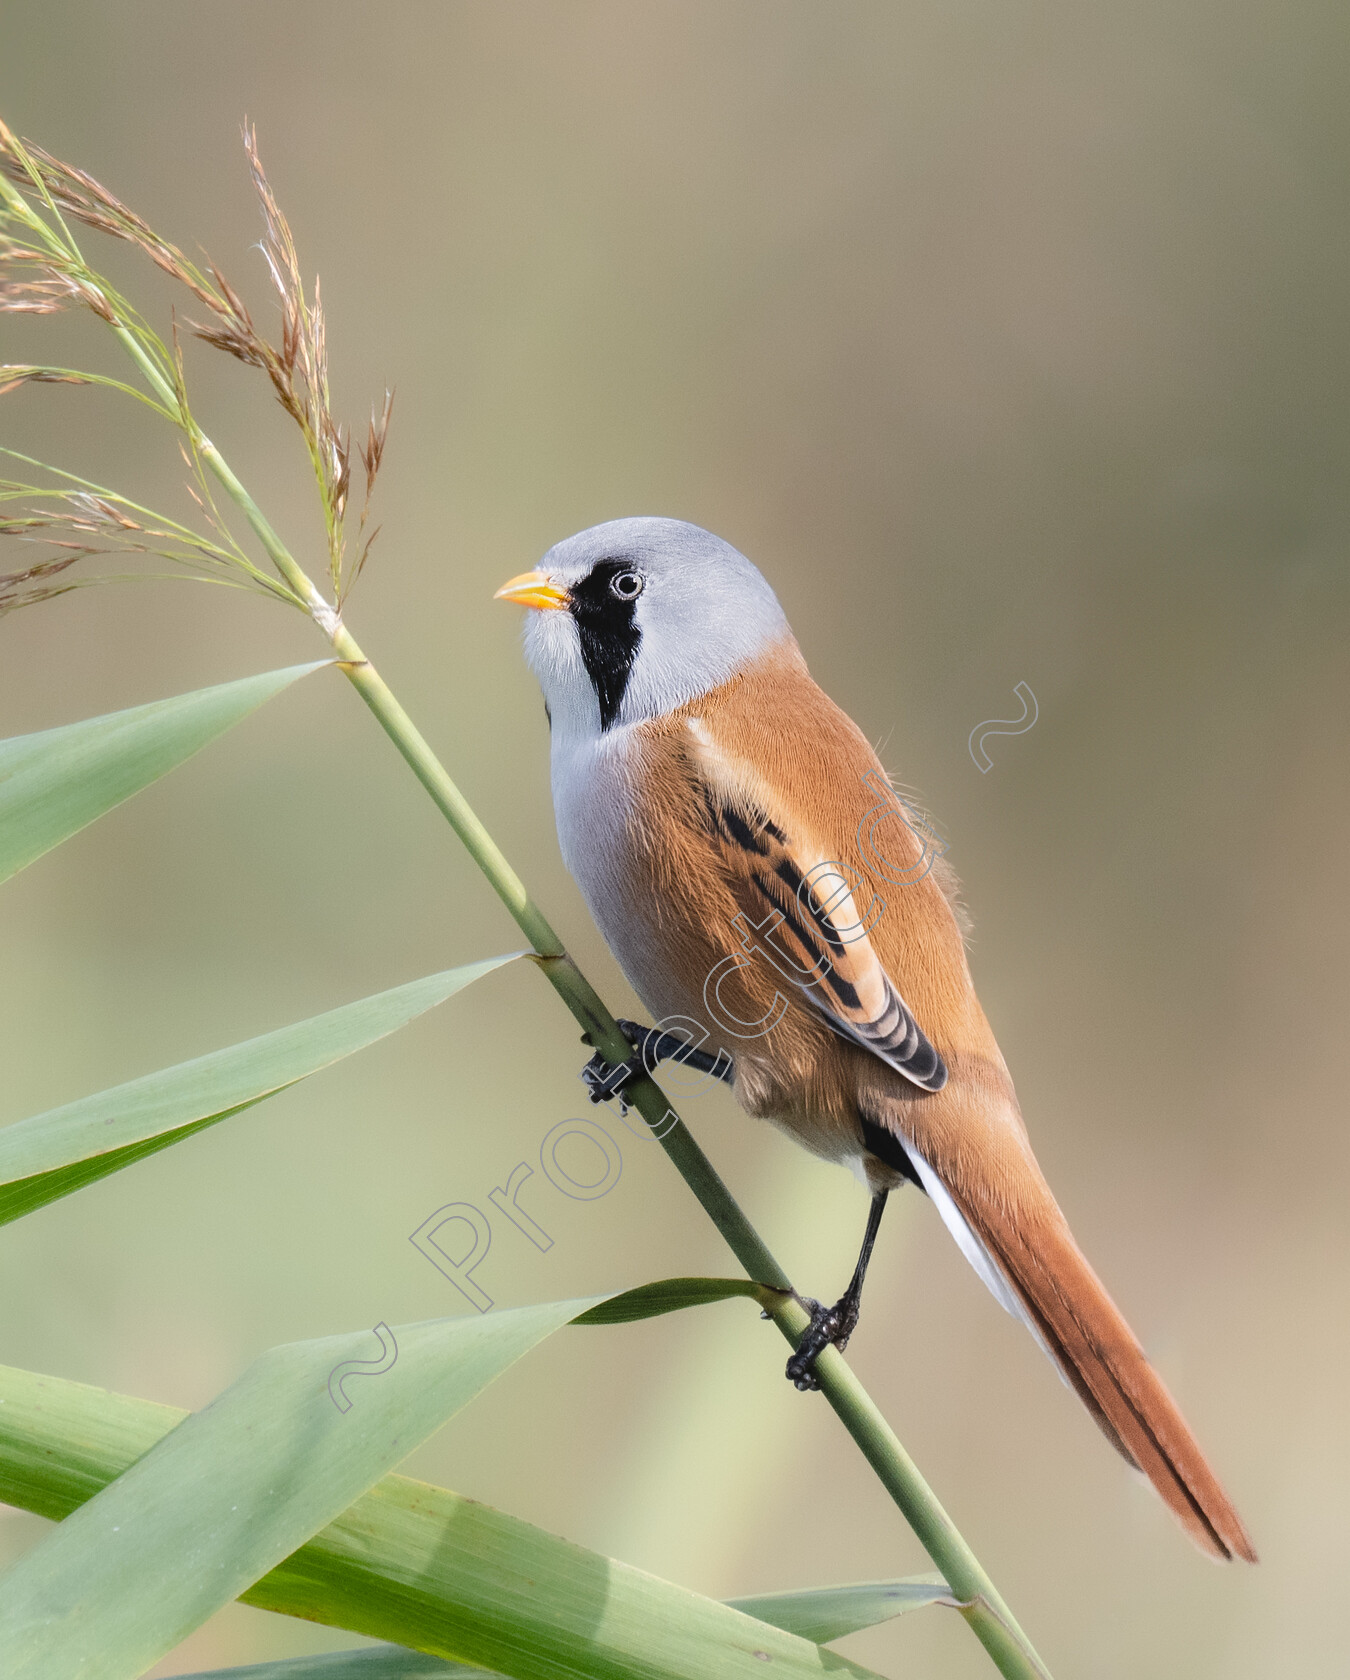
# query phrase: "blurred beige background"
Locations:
[[1011, 342]]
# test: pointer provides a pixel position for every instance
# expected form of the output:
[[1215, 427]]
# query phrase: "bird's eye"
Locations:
[[626, 585]]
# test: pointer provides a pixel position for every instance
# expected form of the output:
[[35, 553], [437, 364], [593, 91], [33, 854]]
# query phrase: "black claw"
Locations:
[[829, 1327], [832, 1326], [603, 1081]]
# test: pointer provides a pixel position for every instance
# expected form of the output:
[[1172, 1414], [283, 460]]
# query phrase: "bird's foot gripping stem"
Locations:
[[652, 1047], [829, 1327], [603, 1081], [832, 1326]]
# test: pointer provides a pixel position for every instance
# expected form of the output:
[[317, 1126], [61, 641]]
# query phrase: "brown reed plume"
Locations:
[[43, 270]]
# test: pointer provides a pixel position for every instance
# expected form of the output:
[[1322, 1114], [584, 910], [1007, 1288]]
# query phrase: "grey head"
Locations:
[[637, 616]]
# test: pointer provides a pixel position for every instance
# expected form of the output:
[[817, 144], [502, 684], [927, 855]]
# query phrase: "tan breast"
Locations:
[[670, 912]]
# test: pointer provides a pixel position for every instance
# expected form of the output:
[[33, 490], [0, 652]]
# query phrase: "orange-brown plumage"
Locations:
[[735, 843], [803, 761]]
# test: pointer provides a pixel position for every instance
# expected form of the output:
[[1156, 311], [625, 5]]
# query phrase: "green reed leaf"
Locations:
[[204, 1508], [371, 1662], [56, 782], [825, 1613], [50, 1155]]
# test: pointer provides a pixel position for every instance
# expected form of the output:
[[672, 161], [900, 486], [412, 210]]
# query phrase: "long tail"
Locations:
[[1022, 1247]]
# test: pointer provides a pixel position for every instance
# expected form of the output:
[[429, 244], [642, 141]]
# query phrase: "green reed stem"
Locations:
[[979, 1601], [977, 1598], [974, 1593]]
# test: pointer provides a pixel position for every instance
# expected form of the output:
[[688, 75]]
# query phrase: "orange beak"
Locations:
[[534, 589]]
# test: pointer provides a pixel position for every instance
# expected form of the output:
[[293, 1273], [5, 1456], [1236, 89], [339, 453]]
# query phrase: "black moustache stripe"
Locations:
[[609, 635]]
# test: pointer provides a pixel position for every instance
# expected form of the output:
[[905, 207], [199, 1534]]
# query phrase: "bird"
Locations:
[[758, 878]]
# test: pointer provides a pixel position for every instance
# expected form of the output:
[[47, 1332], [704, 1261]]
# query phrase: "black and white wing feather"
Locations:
[[797, 910]]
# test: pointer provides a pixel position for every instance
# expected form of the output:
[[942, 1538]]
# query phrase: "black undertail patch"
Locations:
[[887, 1148]]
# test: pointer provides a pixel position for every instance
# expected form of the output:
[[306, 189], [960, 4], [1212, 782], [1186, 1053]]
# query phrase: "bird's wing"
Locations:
[[797, 910]]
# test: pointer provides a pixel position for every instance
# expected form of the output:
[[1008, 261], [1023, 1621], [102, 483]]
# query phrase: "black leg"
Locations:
[[652, 1048], [832, 1326]]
